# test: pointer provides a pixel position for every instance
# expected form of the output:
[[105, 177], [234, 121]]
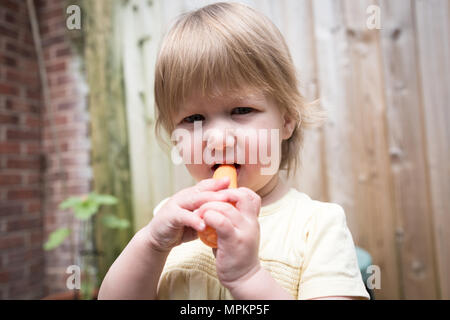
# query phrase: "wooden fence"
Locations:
[[384, 153]]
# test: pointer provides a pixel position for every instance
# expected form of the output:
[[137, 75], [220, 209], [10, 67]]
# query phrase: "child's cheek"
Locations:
[[269, 151], [186, 148], [258, 147]]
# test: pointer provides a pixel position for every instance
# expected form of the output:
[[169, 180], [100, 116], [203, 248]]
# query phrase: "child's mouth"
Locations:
[[236, 165]]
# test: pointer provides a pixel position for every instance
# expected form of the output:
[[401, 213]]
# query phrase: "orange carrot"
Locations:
[[226, 170], [209, 235]]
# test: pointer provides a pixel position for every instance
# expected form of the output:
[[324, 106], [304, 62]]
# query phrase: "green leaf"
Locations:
[[86, 209], [71, 202], [111, 221], [104, 199], [56, 238]]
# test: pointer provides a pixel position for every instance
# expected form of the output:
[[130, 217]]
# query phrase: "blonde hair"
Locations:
[[230, 46]]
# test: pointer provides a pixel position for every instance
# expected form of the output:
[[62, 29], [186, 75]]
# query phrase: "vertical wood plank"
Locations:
[[357, 159], [143, 199], [373, 181], [110, 152], [150, 165], [297, 26], [433, 27], [333, 74], [407, 151]]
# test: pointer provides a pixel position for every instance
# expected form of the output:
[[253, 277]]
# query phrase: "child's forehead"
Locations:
[[223, 98]]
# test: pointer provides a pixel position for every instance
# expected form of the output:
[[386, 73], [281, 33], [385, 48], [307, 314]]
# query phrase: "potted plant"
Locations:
[[85, 209]]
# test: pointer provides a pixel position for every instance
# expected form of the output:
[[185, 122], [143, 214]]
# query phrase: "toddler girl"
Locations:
[[227, 92]]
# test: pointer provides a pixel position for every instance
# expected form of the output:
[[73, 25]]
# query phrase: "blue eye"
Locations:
[[193, 118], [241, 110]]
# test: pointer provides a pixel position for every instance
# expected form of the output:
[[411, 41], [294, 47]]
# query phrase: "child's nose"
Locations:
[[219, 140]]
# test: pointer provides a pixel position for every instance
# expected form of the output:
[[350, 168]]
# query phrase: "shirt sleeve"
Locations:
[[330, 266]]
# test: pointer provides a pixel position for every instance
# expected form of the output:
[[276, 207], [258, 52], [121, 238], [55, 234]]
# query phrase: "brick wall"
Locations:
[[31, 186]]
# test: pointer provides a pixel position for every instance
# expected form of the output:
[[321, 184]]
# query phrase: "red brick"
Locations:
[[11, 275], [31, 147], [19, 105], [59, 94], [22, 134], [55, 67], [33, 121], [8, 89], [17, 257], [67, 105], [22, 78], [11, 5], [65, 51], [29, 64], [64, 79], [23, 194], [9, 147], [28, 38], [34, 206], [67, 133], [80, 159], [23, 224], [36, 268], [57, 120], [9, 119], [8, 32], [11, 241], [10, 18], [78, 190], [52, 13], [8, 61], [11, 209], [55, 176], [33, 93], [33, 178], [24, 163], [10, 179], [36, 237]]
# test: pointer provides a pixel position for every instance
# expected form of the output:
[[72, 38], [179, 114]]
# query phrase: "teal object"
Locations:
[[364, 261]]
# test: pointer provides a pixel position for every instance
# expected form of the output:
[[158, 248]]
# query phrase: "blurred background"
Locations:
[[77, 117]]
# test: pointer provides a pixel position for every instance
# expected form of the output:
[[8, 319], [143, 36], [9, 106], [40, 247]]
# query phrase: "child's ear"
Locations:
[[288, 126]]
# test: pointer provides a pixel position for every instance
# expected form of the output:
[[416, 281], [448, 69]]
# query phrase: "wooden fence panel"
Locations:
[[407, 151], [371, 163], [433, 48], [297, 26], [382, 155]]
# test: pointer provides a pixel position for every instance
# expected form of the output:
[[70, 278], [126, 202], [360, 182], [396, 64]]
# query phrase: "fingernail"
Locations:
[[202, 226]]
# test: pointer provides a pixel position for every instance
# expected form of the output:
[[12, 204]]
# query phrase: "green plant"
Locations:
[[85, 209]]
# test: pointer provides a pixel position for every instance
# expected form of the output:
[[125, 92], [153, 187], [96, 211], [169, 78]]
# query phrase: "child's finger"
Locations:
[[195, 200], [187, 218], [247, 201], [221, 223], [212, 184], [224, 208]]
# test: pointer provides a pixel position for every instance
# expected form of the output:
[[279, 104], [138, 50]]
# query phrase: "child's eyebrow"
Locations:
[[245, 98], [228, 101]]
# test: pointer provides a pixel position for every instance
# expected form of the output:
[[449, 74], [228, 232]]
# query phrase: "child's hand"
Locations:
[[175, 222], [238, 234]]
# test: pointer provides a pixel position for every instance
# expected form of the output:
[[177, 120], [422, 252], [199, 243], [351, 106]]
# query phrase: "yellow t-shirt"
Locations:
[[304, 244]]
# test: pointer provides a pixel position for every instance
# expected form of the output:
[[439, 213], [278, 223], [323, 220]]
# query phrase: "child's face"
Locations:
[[245, 129]]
